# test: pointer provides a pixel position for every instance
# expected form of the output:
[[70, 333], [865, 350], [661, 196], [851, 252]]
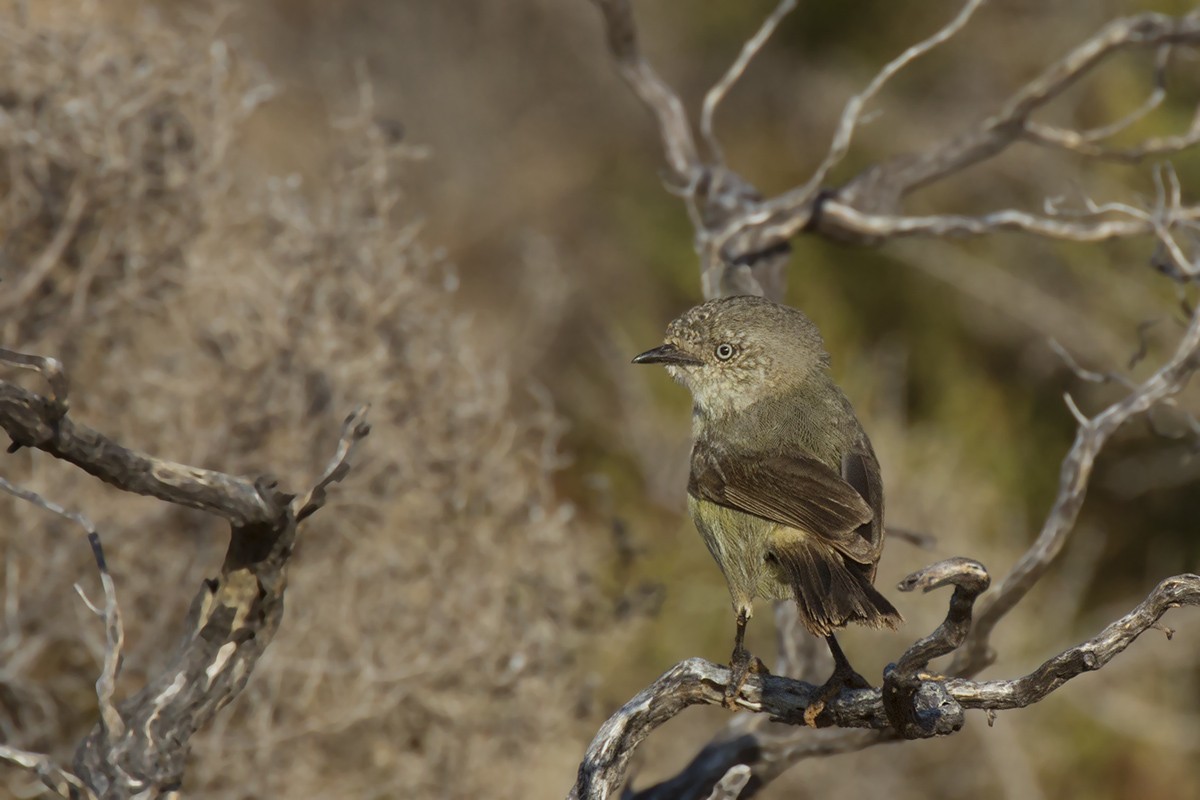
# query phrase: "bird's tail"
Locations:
[[831, 592]]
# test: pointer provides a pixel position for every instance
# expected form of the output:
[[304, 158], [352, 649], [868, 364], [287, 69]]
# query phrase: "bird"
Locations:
[[784, 486]]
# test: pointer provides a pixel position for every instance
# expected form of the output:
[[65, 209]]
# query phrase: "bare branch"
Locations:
[[653, 91], [768, 754], [1087, 143], [110, 719], [141, 746], [875, 193], [936, 703], [1091, 376], [739, 239], [915, 707], [58, 780], [998, 131], [1153, 100], [36, 499], [50, 368], [1181, 590], [354, 430], [1073, 482], [852, 113], [1078, 143], [969, 579], [696, 681], [745, 262], [731, 785], [849, 224], [717, 93], [31, 420]]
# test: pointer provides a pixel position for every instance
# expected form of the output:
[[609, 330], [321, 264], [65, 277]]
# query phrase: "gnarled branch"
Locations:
[[936, 704], [742, 240], [140, 745], [1090, 437]]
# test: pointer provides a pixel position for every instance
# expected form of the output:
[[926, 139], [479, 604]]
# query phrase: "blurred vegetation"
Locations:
[[540, 202]]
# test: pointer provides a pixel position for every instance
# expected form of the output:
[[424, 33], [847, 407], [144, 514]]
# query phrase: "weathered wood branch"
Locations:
[[845, 222], [735, 226], [889, 181], [1180, 590], [31, 420], [678, 143], [919, 708], [1090, 437], [742, 241], [937, 703], [715, 195], [715, 95], [140, 746], [56, 779]]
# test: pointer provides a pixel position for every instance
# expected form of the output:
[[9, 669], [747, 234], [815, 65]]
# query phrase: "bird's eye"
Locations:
[[725, 351]]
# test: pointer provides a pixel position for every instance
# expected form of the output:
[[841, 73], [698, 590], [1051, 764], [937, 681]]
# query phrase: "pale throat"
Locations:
[[715, 402], [716, 397]]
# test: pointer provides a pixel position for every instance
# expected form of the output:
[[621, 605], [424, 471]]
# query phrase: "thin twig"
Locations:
[[875, 193], [354, 429], [800, 202], [714, 96], [1073, 139], [653, 91], [30, 496], [1153, 147], [1073, 482], [110, 718], [849, 223], [852, 113], [111, 612], [50, 368]]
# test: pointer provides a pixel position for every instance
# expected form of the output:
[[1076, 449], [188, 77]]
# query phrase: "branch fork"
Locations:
[[140, 745], [742, 240]]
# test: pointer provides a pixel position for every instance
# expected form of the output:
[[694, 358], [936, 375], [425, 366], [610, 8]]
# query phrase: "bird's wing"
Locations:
[[867, 483], [793, 490]]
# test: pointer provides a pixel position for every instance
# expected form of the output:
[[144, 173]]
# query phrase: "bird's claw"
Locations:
[[741, 667], [813, 711], [840, 679]]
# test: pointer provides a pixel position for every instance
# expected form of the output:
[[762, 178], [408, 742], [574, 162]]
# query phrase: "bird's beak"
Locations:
[[667, 354]]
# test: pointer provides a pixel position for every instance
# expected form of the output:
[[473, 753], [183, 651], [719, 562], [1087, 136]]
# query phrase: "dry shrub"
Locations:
[[216, 317]]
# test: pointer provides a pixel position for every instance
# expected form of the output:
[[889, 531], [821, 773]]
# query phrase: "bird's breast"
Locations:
[[738, 543]]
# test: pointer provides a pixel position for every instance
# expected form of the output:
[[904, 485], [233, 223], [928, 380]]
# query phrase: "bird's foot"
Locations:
[[741, 666], [843, 677]]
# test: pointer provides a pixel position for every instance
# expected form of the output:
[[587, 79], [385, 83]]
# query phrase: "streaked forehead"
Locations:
[[739, 319], [723, 315], [693, 324]]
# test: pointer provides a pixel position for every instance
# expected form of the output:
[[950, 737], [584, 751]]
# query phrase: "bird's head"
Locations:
[[736, 351]]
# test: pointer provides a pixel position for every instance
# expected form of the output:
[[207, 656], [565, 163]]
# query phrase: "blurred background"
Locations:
[[233, 223]]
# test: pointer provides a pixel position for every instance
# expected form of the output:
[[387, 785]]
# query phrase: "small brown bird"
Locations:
[[784, 487]]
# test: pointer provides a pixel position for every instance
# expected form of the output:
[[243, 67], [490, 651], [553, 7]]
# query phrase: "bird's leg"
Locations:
[[741, 663], [843, 677]]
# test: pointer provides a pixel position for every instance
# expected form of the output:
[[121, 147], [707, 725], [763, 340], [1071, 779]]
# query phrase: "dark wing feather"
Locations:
[[861, 470], [793, 490], [829, 591]]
